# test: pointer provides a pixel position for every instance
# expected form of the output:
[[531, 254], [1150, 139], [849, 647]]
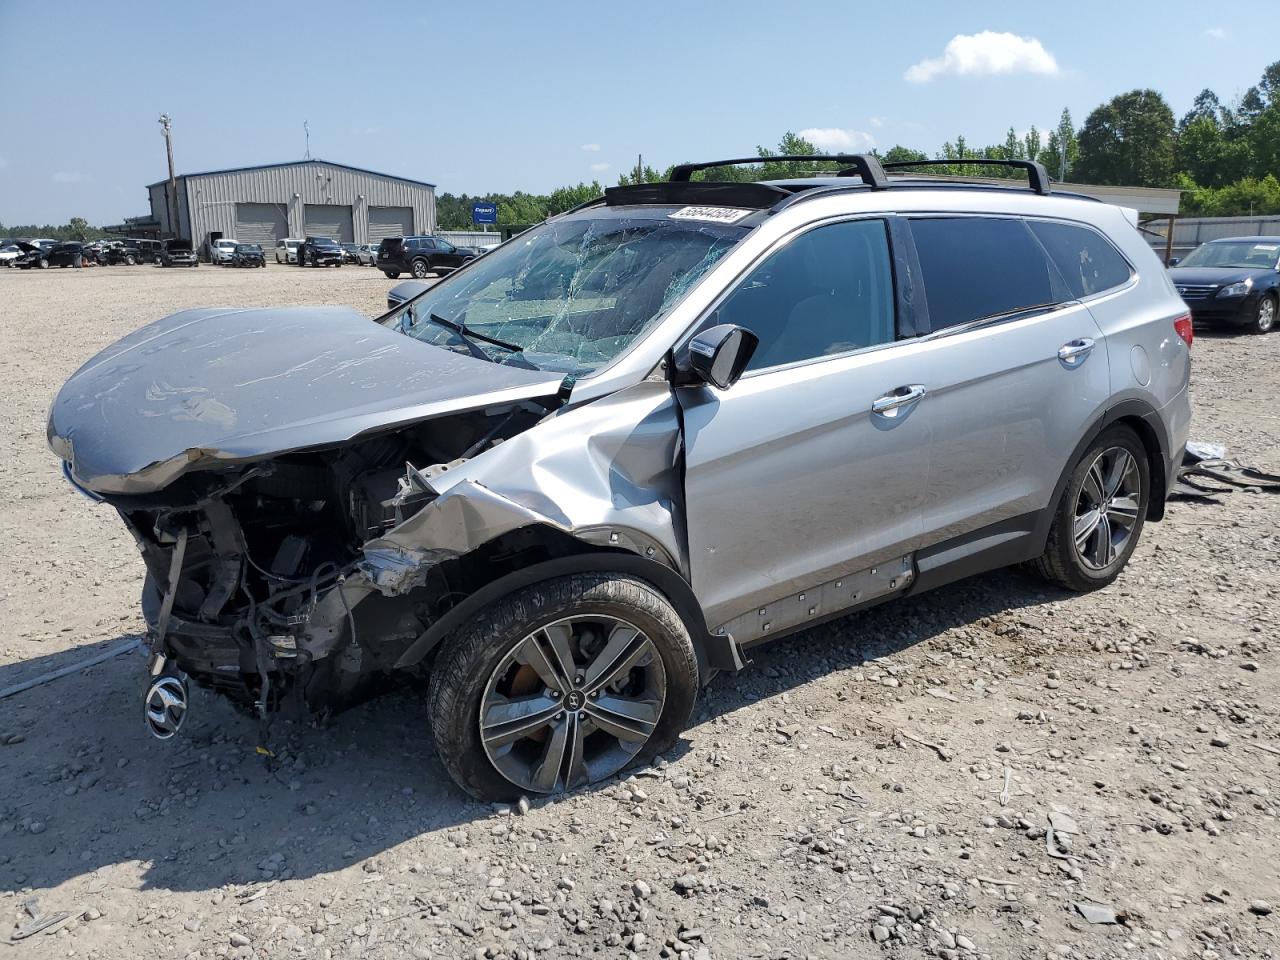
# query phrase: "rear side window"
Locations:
[[1087, 261], [826, 292], [977, 267]]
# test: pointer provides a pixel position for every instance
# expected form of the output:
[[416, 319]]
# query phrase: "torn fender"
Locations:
[[606, 473]]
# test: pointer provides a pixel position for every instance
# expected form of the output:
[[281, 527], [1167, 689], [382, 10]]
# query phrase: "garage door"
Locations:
[[263, 223], [329, 220], [390, 222]]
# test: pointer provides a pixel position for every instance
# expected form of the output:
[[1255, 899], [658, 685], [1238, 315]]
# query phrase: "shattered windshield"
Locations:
[[569, 295]]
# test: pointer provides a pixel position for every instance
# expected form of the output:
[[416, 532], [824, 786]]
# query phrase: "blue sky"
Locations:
[[504, 96]]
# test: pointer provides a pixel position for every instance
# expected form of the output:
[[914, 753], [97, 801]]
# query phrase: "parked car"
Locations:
[[65, 254], [248, 255], [122, 252], [319, 252], [287, 250], [222, 251], [725, 412], [12, 250], [178, 253], [1234, 281], [350, 253], [367, 254], [421, 256]]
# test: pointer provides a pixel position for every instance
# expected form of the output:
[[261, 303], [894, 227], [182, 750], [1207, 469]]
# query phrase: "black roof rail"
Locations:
[[756, 196], [864, 165], [1036, 173]]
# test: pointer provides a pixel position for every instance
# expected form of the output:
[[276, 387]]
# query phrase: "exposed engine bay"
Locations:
[[239, 561]]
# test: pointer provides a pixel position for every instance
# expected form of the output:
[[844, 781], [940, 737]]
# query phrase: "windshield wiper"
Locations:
[[463, 330]]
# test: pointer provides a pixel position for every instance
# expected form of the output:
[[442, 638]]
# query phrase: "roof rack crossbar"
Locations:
[[1036, 173], [864, 165]]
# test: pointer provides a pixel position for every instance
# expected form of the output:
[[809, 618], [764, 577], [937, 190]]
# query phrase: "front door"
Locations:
[[809, 473]]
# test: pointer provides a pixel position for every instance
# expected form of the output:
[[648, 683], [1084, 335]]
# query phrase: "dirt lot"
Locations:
[[879, 787]]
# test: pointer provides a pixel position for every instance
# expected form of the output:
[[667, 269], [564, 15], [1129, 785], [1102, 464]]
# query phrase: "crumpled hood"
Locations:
[[239, 385], [1219, 276]]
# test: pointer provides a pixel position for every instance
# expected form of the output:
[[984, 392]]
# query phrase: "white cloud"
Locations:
[[1215, 33], [63, 176], [591, 147], [836, 138], [877, 122], [985, 53], [599, 167]]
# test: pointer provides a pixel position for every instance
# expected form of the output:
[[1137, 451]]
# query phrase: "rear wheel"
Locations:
[[392, 274], [1264, 314], [562, 684], [1101, 513]]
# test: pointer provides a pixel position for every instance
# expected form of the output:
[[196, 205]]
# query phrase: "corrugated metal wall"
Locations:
[[472, 238], [212, 198]]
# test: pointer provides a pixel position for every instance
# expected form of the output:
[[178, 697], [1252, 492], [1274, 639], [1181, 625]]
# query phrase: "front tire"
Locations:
[[1099, 519], [419, 269], [1264, 315], [561, 684]]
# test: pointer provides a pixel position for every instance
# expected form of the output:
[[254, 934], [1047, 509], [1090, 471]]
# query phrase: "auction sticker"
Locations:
[[714, 214]]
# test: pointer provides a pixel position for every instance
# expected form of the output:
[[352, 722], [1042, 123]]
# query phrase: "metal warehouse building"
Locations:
[[280, 200]]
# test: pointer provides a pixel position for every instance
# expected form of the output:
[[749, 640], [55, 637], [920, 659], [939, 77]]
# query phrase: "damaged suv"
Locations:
[[575, 479]]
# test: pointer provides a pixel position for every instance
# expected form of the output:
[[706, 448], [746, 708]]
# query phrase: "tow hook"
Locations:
[[165, 705]]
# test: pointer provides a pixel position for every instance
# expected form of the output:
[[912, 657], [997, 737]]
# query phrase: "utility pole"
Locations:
[[639, 167], [171, 188], [306, 132]]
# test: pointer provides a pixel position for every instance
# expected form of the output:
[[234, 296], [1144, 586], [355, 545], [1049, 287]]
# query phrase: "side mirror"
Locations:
[[719, 355], [1174, 261]]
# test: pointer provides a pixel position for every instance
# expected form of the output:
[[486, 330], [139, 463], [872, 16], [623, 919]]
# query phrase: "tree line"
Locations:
[[1225, 157]]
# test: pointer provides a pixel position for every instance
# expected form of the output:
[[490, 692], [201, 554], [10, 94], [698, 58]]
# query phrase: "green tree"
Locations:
[[522, 209], [899, 153], [1128, 141], [566, 198]]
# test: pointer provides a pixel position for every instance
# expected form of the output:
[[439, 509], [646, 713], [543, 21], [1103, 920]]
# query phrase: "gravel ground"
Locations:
[[985, 771]]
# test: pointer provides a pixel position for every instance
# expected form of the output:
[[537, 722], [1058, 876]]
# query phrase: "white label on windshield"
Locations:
[[714, 214], [1266, 246]]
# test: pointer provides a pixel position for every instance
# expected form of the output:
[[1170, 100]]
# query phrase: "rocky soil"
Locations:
[[996, 769]]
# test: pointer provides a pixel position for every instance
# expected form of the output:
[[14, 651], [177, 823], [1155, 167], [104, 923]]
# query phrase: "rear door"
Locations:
[[1019, 370], [801, 500]]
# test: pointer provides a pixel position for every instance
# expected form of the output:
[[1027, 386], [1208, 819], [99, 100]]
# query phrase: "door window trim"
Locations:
[[1021, 313], [733, 285]]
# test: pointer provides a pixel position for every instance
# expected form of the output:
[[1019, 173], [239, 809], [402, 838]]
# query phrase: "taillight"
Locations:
[[1182, 326]]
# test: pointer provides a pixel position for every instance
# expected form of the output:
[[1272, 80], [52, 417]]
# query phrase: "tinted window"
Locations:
[[1088, 262], [828, 291], [977, 267]]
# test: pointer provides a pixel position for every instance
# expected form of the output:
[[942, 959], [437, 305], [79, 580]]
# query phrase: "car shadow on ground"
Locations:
[[88, 790]]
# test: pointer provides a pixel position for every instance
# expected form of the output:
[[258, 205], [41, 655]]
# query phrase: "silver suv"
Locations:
[[577, 478]]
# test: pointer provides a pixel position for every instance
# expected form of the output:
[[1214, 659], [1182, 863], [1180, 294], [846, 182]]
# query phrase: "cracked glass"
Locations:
[[571, 294]]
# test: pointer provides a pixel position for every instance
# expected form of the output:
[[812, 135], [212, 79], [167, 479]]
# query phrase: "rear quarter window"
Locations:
[[978, 267], [1088, 262]]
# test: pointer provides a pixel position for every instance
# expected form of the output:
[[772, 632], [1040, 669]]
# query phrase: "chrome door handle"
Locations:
[[1073, 352], [896, 399]]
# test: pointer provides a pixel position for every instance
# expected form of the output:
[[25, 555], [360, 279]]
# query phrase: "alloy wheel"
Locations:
[[1266, 314], [1107, 508], [419, 269], [572, 703]]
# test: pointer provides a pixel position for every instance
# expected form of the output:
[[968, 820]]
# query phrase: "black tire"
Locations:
[[1264, 315], [419, 269], [392, 274], [468, 658], [43, 264], [1061, 562]]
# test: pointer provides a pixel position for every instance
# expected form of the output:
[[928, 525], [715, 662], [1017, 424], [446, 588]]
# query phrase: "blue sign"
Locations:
[[484, 212]]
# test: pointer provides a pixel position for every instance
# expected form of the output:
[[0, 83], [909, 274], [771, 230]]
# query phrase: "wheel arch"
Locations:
[[534, 554]]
